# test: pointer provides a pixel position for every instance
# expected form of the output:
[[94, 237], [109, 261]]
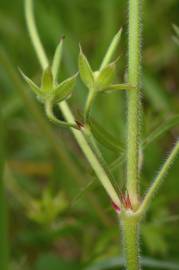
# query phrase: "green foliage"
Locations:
[[40, 156]]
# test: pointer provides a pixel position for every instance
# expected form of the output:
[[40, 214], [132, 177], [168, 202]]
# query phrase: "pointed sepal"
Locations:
[[85, 70], [57, 59], [64, 89], [31, 84], [105, 76], [47, 80]]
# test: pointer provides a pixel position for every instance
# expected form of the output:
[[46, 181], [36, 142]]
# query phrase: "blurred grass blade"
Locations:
[[147, 262], [111, 50], [57, 60], [3, 204], [156, 95], [176, 40], [104, 137], [176, 29], [162, 129], [91, 184]]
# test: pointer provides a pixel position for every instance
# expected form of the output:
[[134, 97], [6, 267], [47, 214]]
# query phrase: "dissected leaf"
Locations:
[[64, 89], [47, 80], [85, 70]]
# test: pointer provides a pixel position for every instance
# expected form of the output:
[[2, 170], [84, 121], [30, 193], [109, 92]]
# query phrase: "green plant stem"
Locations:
[[34, 34], [130, 224], [130, 229], [133, 101], [157, 182], [53, 119], [3, 205], [90, 101], [95, 164]]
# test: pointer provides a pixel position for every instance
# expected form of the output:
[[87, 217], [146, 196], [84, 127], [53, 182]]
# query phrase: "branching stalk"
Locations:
[[95, 164]]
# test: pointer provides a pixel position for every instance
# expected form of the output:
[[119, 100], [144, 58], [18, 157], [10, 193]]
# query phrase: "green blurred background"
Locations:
[[59, 216]]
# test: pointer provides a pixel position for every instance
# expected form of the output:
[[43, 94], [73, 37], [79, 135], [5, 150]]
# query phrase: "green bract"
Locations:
[[49, 91], [97, 80], [100, 81]]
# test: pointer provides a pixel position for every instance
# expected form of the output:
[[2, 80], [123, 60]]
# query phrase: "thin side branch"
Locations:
[[159, 179]]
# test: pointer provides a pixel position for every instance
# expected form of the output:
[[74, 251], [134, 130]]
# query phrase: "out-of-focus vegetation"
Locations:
[[59, 217]]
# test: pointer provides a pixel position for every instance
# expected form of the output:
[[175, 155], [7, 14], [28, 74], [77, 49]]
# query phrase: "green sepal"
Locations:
[[31, 84], [64, 89], [111, 49], [104, 137], [85, 70], [57, 59], [106, 76], [47, 80]]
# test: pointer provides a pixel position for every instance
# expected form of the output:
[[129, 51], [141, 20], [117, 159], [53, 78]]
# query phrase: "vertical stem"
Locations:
[[133, 101], [3, 206], [130, 243], [129, 224]]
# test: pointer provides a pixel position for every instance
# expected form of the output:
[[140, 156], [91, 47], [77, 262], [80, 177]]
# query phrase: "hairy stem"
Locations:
[[95, 164], [130, 242], [133, 101], [129, 224], [157, 182]]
